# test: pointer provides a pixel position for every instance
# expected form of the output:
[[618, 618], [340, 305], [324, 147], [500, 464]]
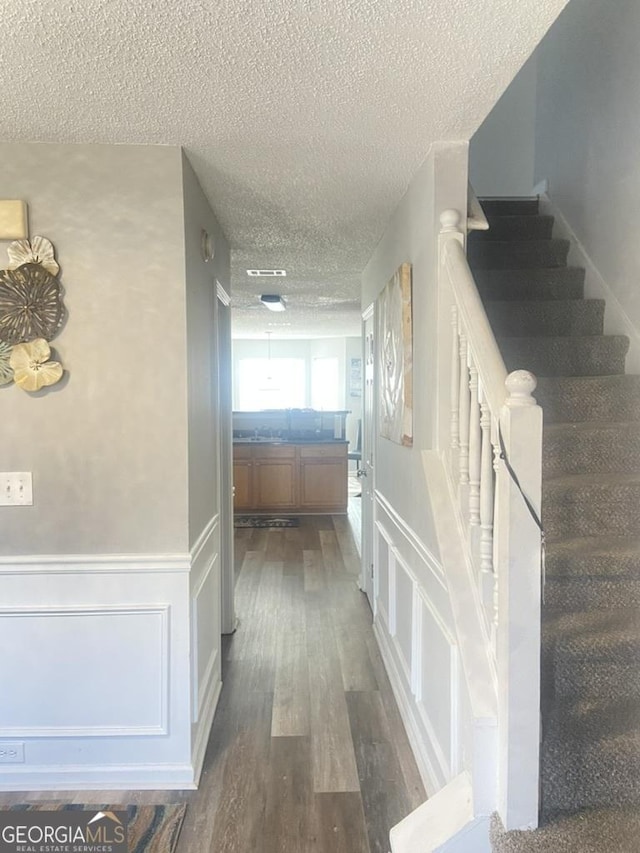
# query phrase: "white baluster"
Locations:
[[474, 446], [486, 491], [463, 410], [496, 534], [455, 379]]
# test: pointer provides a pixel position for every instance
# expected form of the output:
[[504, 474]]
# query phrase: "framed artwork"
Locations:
[[395, 335]]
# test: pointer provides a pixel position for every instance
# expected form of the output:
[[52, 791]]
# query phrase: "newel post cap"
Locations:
[[450, 220], [520, 386]]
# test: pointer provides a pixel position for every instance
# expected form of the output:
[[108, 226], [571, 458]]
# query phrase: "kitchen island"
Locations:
[[288, 476]]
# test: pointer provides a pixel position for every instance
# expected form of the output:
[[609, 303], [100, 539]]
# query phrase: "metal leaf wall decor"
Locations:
[[31, 307]]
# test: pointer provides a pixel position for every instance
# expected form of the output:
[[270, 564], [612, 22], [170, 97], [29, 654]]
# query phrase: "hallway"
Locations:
[[307, 751]]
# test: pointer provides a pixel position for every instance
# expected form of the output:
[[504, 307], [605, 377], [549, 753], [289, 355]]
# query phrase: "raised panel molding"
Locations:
[[203, 539], [438, 761], [159, 711]]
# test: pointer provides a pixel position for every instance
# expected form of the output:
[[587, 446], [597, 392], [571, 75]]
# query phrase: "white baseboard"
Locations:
[[617, 321]]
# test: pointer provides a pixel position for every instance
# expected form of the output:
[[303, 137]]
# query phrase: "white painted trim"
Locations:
[[96, 777], [368, 312], [425, 719], [101, 731], [197, 694], [392, 591], [432, 782], [204, 537], [63, 564], [416, 643], [617, 321], [406, 669], [414, 540], [455, 757], [222, 294], [444, 822], [204, 728]]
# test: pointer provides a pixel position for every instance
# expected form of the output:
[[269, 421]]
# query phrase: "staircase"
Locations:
[[590, 754]]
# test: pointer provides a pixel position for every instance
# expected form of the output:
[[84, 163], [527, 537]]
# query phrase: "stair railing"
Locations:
[[502, 541]]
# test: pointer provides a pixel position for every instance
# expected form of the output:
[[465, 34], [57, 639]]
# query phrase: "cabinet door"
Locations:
[[323, 484], [242, 485], [275, 484]]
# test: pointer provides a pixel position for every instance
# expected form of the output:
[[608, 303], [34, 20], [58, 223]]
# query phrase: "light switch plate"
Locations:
[[16, 489]]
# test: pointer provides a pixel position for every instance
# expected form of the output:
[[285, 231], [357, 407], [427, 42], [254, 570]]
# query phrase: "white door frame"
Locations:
[[367, 466], [225, 459]]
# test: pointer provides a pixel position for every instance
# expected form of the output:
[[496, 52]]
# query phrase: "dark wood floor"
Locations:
[[307, 750]]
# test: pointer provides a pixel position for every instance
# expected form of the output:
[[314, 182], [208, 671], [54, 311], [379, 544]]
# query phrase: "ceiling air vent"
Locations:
[[267, 273]]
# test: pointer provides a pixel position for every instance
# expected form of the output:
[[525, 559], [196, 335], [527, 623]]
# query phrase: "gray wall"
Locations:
[[588, 135], [412, 236], [501, 152], [107, 450], [201, 350]]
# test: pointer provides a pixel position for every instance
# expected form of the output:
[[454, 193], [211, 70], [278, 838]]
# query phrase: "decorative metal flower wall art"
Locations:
[[37, 251], [31, 314], [32, 369], [30, 304], [6, 371]]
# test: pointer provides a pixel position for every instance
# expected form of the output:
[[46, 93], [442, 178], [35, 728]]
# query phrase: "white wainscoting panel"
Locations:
[[98, 647], [414, 628], [97, 672], [205, 637]]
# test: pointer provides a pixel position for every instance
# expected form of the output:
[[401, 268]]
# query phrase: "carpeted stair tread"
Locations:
[[591, 446], [608, 830], [584, 317], [597, 556], [587, 504], [590, 752], [593, 654], [584, 398], [509, 206], [591, 755], [592, 573], [515, 227], [599, 355], [530, 284], [517, 254]]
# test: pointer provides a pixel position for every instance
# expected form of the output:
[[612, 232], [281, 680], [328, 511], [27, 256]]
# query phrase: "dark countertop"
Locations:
[[261, 440]]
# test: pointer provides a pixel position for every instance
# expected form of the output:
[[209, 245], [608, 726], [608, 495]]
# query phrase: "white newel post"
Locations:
[[518, 556]]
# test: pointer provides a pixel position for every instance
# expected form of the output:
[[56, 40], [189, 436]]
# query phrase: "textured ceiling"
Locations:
[[305, 121]]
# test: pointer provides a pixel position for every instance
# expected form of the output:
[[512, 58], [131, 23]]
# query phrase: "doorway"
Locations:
[[224, 381], [366, 470]]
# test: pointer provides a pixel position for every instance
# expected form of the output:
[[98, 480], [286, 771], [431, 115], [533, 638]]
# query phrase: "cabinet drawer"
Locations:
[[274, 451], [323, 451], [240, 451]]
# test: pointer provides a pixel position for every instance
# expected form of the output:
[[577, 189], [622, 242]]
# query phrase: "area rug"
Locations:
[[151, 829], [264, 521]]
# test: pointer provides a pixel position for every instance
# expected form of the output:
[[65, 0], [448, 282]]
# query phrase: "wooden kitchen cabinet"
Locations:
[[323, 478], [274, 477], [242, 479], [290, 478]]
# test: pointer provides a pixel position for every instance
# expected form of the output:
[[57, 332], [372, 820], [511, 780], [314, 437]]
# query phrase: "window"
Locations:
[[324, 384], [271, 383]]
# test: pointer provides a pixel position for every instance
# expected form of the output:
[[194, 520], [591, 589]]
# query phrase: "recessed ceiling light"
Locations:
[[267, 273], [273, 302]]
